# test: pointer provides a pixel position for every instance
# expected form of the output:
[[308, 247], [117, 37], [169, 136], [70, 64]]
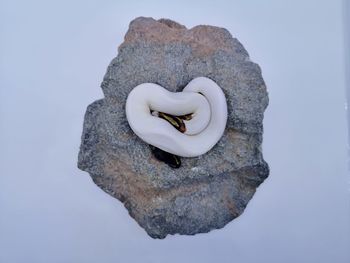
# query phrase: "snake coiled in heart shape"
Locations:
[[201, 109]]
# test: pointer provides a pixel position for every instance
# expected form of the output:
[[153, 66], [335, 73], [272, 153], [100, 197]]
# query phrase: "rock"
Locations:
[[208, 191]]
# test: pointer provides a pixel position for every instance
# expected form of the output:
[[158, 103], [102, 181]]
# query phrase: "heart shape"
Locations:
[[202, 99]]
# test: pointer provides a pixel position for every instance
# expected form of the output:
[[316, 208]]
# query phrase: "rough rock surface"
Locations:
[[208, 191]]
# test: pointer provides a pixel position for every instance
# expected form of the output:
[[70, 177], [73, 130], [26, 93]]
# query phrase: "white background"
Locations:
[[53, 58]]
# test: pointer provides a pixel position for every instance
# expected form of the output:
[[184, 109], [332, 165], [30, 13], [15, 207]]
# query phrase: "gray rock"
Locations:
[[208, 191]]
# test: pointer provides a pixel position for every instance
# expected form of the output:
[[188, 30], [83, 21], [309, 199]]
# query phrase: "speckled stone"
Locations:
[[208, 191]]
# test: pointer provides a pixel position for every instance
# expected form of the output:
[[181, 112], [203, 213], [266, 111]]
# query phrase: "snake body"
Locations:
[[202, 98]]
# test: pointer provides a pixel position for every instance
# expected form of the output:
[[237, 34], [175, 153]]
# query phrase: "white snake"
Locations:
[[202, 97]]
